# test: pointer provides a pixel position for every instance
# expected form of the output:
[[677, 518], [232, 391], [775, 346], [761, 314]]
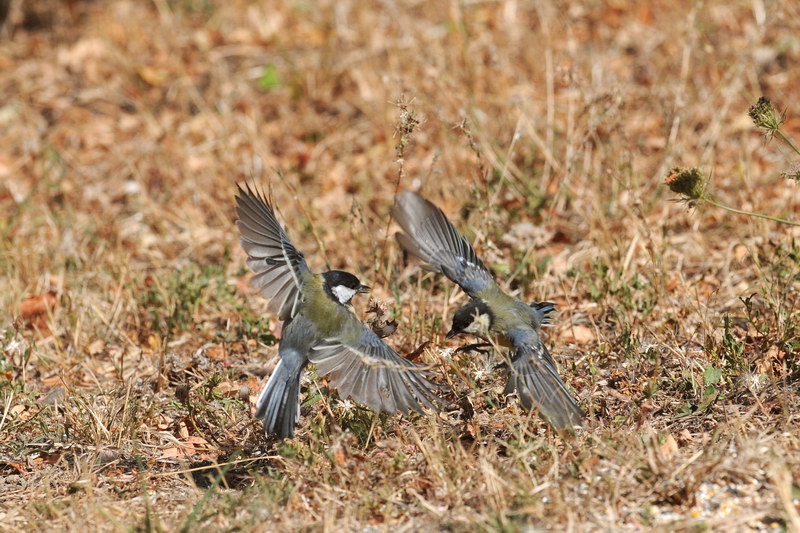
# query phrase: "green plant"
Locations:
[[269, 79], [691, 183]]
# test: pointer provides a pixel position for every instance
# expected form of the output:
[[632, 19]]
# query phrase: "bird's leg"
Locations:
[[498, 366], [478, 347]]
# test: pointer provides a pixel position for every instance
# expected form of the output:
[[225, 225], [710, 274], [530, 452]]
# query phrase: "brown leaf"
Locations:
[[51, 381], [168, 453], [152, 76], [183, 430], [215, 352], [667, 448], [590, 464], [38, 305], [740, 252], [192, 445], [376, 519], [578, 334], [96, 347], [19, 467], [47, 459], [230, 389], [154, 342]]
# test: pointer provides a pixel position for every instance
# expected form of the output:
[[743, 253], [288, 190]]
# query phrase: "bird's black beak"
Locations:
[[452, 333], [363, 288]]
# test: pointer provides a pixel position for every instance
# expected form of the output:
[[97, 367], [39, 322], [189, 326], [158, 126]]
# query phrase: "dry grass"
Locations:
[[129, 334]]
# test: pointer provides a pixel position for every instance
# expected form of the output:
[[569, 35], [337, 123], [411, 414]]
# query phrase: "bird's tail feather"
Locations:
[[279, 402], [539, 385], [544, 312]]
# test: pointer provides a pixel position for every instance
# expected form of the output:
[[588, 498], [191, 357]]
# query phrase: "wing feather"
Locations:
[[433, 239], [373, 374], [277, 264], [534, 377]]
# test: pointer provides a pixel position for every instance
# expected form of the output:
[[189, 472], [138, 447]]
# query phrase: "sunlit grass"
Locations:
[[132, 347]]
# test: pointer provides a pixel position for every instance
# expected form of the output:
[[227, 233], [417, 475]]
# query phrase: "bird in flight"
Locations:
[[490, 314], [320, 327]]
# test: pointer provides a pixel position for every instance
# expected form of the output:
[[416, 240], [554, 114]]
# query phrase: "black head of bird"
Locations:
[[474, 318], [341, 286]]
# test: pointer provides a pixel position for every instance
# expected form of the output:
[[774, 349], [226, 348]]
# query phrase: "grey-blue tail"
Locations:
[[279, 402], [537, 384]]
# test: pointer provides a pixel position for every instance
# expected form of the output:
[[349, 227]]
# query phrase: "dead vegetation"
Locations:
[[132, 347]]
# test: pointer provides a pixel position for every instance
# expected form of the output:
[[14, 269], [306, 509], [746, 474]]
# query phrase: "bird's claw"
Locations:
[[480, 347]]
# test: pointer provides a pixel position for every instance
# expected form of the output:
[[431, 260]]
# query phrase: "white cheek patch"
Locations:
[[343, 294], [479, 325]]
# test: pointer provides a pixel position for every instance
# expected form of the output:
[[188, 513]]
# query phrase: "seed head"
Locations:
[[765, 116], [688, 182]]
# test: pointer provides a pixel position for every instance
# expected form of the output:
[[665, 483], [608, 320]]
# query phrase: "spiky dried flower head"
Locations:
[[765, 116], [688, 182]]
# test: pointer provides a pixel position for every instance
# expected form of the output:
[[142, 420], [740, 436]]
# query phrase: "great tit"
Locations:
[[491, 314], [321, 327]]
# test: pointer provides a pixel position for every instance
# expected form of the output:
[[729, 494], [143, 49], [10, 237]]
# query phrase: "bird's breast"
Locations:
[[328, 316]]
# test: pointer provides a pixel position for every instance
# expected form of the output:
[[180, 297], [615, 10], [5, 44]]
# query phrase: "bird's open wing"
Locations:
[[277, 264], [373, 374], [533, 375], [432, 238]]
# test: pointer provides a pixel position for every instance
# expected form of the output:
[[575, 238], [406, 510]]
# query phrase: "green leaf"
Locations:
[[711, 375], [709, 398], [269, 77]]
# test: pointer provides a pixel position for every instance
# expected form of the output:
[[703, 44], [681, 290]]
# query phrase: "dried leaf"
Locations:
[[740, 252], [96, 347], [667, 448], [38, 305], [578, 334], [47, 458], [152, 76], [18, 466], [169, 453]]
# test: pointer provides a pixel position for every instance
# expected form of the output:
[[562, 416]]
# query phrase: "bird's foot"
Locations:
[[481, 347]]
